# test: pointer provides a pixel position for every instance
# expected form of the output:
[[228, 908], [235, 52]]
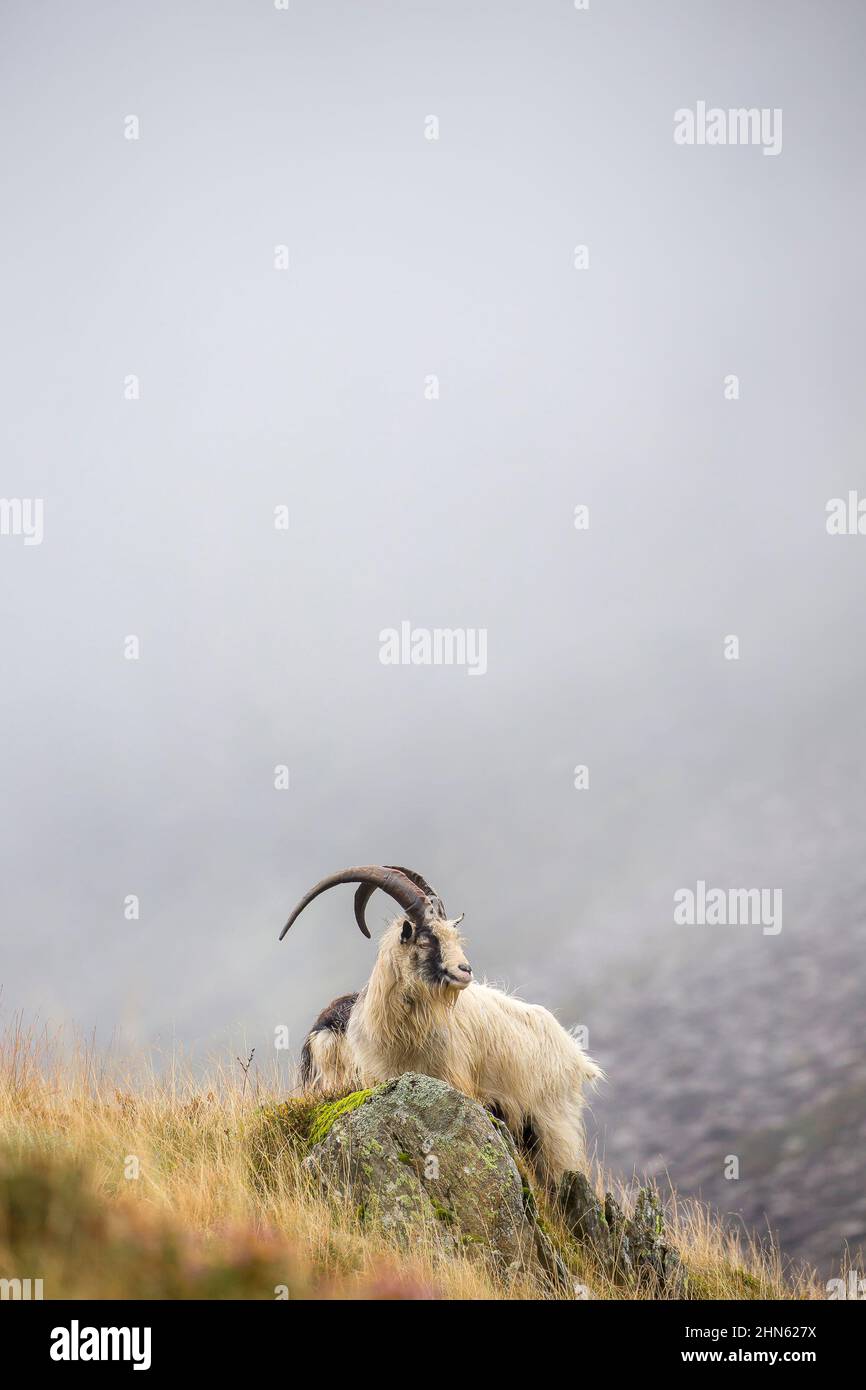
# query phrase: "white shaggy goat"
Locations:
[[421, 1011]]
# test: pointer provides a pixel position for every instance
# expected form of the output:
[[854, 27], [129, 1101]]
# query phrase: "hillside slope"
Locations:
[[121, 1187]]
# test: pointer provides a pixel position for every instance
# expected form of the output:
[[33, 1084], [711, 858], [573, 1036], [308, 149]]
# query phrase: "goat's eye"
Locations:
[[406, 933]]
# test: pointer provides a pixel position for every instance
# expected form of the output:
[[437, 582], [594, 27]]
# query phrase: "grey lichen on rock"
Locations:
[[416, 1153]]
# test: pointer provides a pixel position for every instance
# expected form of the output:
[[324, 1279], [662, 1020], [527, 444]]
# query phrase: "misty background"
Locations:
[[454, 257]]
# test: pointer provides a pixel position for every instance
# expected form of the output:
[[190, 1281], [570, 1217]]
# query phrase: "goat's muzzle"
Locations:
[[459, 978]]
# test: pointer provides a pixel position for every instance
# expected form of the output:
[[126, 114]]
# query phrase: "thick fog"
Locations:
[[168, 384]]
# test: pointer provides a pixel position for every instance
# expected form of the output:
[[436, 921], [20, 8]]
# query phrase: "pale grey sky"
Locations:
[[411, 257]]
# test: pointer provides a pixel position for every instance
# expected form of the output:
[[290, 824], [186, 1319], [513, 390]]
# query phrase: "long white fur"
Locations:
[[484, 1042]]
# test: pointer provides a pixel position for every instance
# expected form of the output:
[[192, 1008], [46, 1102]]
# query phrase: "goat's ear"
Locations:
[[406, 932]]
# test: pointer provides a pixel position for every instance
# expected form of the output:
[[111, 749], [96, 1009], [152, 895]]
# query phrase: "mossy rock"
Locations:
[[278, 1132], [413, 1153], [296, 1124], [324, 1116]]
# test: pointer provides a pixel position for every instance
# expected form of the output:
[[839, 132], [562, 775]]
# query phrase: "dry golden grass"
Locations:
[[218, 1209]]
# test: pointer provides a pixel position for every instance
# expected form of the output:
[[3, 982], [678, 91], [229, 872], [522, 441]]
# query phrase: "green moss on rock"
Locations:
[[323, 1116]]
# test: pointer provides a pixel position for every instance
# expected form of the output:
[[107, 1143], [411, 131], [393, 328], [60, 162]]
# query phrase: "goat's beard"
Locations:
[[433, 995], [449, 993]]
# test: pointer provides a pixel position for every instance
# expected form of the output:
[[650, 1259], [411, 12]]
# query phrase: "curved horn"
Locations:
[[419, 883], [391, 881], [366, 891]]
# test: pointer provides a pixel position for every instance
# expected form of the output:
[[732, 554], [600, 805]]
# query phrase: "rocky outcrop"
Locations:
[[416, 1156], [632, 1250], [414, 1152]]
